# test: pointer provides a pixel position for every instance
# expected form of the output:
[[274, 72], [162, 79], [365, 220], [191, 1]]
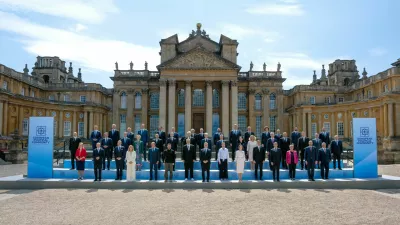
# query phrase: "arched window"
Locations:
[[123, 100], [242, 100], [346, 81], [198, 97], [181, 98], [138, 100], [215, 98], [154, 100], [272, 101], [258, 102]]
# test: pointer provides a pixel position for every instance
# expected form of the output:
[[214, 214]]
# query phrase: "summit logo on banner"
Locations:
[[40, 137], [364, 137]]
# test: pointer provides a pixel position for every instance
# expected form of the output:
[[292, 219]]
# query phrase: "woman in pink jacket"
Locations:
[[292, 159]]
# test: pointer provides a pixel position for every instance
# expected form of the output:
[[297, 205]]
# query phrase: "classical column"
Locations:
[[101, 123], [74, 123], [304, 123], [34, 112], [209, 107], [320, 122], [20, 119], [1, 118], [234, 102], [294, 117], [5, 119], [390, 118], [252, 119], [91, 118], [116, 106], [266, 108], [188, 105], [163, 103], [333, 125], [346, 125], [145, 100], [129, 110], [309, 125], [225, 108], [171, 104], [85, 124], [60, 124]]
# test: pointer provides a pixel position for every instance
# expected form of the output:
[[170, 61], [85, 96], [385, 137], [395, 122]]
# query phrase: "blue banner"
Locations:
[[365, 148], [40, 147]]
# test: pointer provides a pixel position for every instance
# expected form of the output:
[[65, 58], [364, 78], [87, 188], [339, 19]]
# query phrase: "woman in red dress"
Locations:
[[80, 156]]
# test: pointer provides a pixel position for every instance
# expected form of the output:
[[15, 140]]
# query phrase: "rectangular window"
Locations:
[[25, 126], [138, 101], [181, 124], [341, 99], [66, 98], [55, 128], [313, 129], [242, 123], [81, 129], [272, 123], [83, 98], [340, 128], [258, 126], [138, 122], [5, 85], [327, 127], [23, 91], [215, 123], [327, 100], [67, 128], [312, 100], [51, 97], [32, 94], [386, 88], [153, 125], [369, 94], [122, 125], [359, 96]]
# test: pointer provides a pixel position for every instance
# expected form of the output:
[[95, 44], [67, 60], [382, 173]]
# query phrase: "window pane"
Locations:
[[81, 129], [272, 101], [122, 125], [181, 98], [66, 98], [138, 122], [242, 101], [181, 124], [138, 100], [327, 127], [215, 123], [83, 98], [198, 97], [25, 126], [340, 128], [123, 100], [67, 128], [215, 100], [313, 129], [154, 100], [153, 125], [257, 105], [272, 123], [242, 123], [258, 126], [312, 100]]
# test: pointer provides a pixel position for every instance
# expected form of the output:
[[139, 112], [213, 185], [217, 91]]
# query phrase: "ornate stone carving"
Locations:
[[225, 82], [251, 91], [234, 83], [145, 91], [163, 82], [188, 82], [172, 82], [198, 59], [130, 91], [265, 91], [209, 83], [81, 115], [26, 112]]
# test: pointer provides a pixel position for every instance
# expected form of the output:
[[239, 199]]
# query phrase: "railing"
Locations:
[[137, 73], [59, 150], [259, 75]]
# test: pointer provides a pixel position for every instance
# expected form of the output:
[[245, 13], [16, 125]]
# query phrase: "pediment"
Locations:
[[196, 41]]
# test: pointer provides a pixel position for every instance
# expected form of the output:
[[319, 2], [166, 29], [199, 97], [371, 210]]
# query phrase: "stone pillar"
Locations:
[[116, 106], [91, 118], [294, 121], [145, 100], [188, 105], [74, 123], [1, 117], [60, 124], [385, 120], [320, 122], [101, 124], [333, 125], [266, 108], [280, 110], [225, 108], [33, 111], [85, 124], [234, 102], [391, 119], [346, 125], [171, 105], [311, 135], [129, 110], [252, 119], [304, 125], [20, 119], [209, 108], [163, 103]]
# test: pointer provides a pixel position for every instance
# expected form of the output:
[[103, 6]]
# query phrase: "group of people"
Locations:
[[131, 150]]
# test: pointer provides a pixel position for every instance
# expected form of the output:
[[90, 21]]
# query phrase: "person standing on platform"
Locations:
[[176, 135], [251, 144], [205, 159], [278, 137], [118, 156], [324, 158], [125, 142], [80, 156], [73, 146], [302, 143], [193, 138], [317, 143], [216, 139], [95, 136], [130, 135], [223, 156], [240, 158], [219, 145], [160, 146], [337, 150], [324, 136], [285, 143], [98, 155], [311, 158], [295, 137], [107, 145], [244, 145], [199, 138], [114, 135], [265, 136], [248, 134], [174, 145], [292, 159], [205, 140], [170, 156], [188, 158], [276, 156], [270, 145], [234, 140], [154, 160], [161, 134], [130, 164], [144, 135], [139, 149], [259, 159]]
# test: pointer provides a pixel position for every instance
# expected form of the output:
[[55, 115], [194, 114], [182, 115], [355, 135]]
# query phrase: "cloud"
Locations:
[[89, 11], [78, 28], [241, 32], [377, 52], [283, 7]]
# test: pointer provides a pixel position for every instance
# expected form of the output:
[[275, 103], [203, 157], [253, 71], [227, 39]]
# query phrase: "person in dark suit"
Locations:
[[259, 159], [244, 145], [265, 136], [324, 136], [270, 145], [278, 137], [205, 159], [160, 145], [317, 143], [219, 145], [247, 134], [284, 146], [161, 135], [188, 158], [176, 135], [311, 158], [114, 134], [73, 146], [154, 160], [170, 156], [144, 135], [193, 138], [337, 150], [98, 155], [205, 140], [276, 156], [295, 137], [234, 140], [107, 145], [199, 138], [189, 135], [118, 155], [130, 135], [216, 138], [302, 143], [125, 142], [95, 136], [324, 158]]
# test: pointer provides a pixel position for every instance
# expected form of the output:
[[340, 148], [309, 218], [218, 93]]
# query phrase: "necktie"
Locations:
[[74, 139]]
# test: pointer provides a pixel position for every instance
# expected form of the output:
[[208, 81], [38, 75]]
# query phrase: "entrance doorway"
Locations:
[[198, 121]]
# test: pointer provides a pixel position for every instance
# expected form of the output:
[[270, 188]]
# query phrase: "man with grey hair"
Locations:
[[188, 158]]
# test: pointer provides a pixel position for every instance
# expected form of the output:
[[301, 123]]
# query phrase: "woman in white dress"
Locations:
[[240, 158], [130, 164], [251, 144]]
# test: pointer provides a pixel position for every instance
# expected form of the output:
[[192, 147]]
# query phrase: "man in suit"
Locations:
[[219, 145], [324, 136], [73, 146], [154, 160], [161, 135], [284, 144], [176, 135], [248, 134], [144, 136], [125, 142], [337, 150], [118, 155], [317, 143], [170, 156], [173, 141], [189, 135], [295, 137], [234, 140], [311, 158], [278, 137], [259, 159], [276, 156], [107, 145], [205, 140], [265, 136], [188, 158], [160, 145], [193, 138], [114, 134], [95, 136], [98, 156], [216, 138], [324, 158], [302, 143], [131, 135], [223, 157], [199, 138], [270, 145], [205, 159]]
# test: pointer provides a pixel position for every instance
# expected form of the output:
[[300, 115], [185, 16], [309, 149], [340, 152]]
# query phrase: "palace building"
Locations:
[[199, 84]]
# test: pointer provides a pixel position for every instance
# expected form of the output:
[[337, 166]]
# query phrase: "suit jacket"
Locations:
[[278, 139], [95, 135], [193, 140], [119, 152], [216, 137], [276, 155], [139, 150], [337, 147], [100, 154], [264, 138], [325, 137], [162, 136], [289, 158], [203, 141], [295, 137], [126, 143], [284, 145], [115, 137], [301, 145], [131, 136], [189, 154], [144, 136], [324, 157], [270, 144], [247, 136], [311, 154], [73, 145], [317, 143], [219, 144], [169, 155], [199, 138], [205, 155], [259, 154], [244, 144], [176, 135], [107, 145], [159, 144], [234, 138], [174, 143], [154, 155]]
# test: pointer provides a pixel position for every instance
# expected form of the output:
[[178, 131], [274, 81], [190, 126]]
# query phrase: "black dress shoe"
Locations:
[[95, 180], [312, 179], [326, 178], [203, 181], [340, 168], [116, 178], [72, 169], [278, 180], [208, 181], [309, 180]]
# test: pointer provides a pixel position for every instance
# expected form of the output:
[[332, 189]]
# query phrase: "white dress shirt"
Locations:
[[223, 154]]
